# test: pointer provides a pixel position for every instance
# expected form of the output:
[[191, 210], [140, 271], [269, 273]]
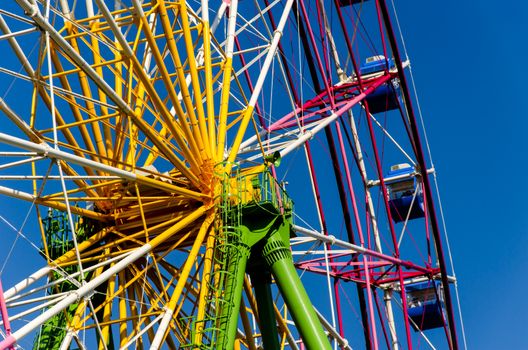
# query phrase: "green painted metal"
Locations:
[[217, 330], [261, 282], [238, 254], [254, 237], [279, 258], [59, 241]]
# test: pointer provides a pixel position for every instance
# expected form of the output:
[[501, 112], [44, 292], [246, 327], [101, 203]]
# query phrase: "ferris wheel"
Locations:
[[216, 175]]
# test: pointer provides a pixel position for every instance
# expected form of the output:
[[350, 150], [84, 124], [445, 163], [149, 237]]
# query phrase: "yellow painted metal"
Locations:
[[142, 212], [117, 321], [123, 315], [170, 188], [186, 269], [251, 298], [201, 135], [172, 212], [124, 284], [160, 143], [75, 323], [135, 66], [107, 313], [248, 114], [224, 105], [281, 322], [211, 122], [250, 341], [158, 279], [59, 196], [160, 239], [43, 237], [98, 66], [101, 118], [76, 210], [155, 301], [194, 139], [82, 186], [191, 61], [204, 287], [76, 113], [283, 335], [131, 293], [87, 92], [90, 241]]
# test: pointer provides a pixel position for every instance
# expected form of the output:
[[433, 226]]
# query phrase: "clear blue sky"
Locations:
[[467, 58]]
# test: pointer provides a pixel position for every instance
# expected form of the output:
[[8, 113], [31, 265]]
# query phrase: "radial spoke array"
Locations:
[[147, 136]]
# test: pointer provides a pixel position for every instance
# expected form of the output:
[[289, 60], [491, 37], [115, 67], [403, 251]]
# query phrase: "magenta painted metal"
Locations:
[[342, 106], [5, 320], [348, 41], [385, 196], [316, 51], [332, 98], [360, 232], [355, 268], [380, 314], [8, 343], [323, 37], [421, 161], [339, 309]]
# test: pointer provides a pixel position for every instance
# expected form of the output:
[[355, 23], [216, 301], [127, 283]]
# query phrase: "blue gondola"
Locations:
[[376, 64], [385, 97], [425, 304], [350, 2], [401, 193]]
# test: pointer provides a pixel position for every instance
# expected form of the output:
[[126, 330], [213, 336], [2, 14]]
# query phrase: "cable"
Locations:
[[435, 179]]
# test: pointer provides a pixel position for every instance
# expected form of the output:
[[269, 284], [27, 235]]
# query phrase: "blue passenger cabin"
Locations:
[[425, 305], [349, 2], [401, 193], [385, 97], [376, 64]]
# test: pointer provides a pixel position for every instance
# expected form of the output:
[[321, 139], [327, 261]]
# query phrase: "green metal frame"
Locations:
[[59, 240], [255, 238]]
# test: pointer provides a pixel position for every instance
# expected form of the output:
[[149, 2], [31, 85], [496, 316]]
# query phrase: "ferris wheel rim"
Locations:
[[188, 182]]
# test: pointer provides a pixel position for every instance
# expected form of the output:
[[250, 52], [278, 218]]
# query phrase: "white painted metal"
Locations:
[[70, 278], [392, 139], [160, 333], [88, 287], [26, 282], [20, 162], [343, 343], [65, 345], [140, 333], [372, 183], [374, 221], [34, 309], [271, 53], [58, 154], [54, 297], [85, 290]]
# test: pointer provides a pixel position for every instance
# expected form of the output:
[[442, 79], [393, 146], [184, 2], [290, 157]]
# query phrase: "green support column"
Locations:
[[237, 256], [262, 227], [278, 257], [261, 282]]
